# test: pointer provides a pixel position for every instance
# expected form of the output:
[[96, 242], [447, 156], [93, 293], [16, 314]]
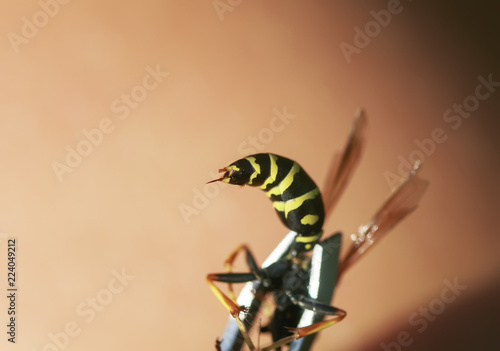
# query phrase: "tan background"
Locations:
[[120, 207]]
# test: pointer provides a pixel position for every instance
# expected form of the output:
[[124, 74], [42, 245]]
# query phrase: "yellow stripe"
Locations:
[[293, 204], [229, 169], [273, 173], [285, 183], [279, 206], [308, 239], [309, 219], [256, 168]]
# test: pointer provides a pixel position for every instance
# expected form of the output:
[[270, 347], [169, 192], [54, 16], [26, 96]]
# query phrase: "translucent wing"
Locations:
[[343, 164], [403, 200]]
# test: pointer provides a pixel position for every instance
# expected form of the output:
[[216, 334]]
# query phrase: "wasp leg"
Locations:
[[233, 308], [217, 344], [252, 295], [313, 305], [229, 264]]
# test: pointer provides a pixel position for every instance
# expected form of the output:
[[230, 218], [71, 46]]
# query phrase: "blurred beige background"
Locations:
[[179, 90]]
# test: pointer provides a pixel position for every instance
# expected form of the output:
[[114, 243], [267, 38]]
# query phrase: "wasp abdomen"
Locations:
[[294, 195]]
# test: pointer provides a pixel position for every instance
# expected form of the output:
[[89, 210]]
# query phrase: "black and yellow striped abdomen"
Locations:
[[294, 195]]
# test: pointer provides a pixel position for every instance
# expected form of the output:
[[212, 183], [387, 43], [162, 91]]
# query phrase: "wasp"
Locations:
[[302, 282]]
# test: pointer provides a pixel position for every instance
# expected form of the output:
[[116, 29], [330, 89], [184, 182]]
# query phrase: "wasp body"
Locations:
[[294, 195], [302, 284]]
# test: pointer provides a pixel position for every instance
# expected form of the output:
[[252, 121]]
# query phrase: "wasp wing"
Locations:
[[403, 200], [343, 164]]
